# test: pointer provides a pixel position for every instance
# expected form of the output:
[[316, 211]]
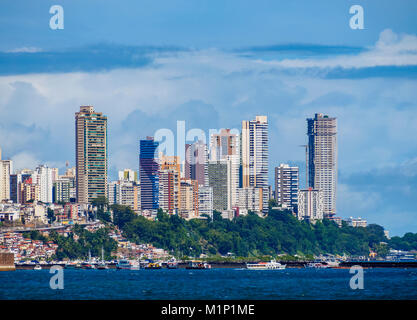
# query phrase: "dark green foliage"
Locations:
[[407, 242], [51, 216], [280, 232], [87, 241]]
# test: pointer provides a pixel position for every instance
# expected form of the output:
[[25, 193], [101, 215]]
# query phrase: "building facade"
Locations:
[[195, 167], [310, 204], [254, 156], [205, 201], [149, 174], [225, 145], [286, 186], [6, 169], [322, 159], [90, 154], [219, 181]]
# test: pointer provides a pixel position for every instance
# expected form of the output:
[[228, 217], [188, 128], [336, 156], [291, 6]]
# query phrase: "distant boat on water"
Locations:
[[123, 264], [37, 267], [198, 265], [272, 265]]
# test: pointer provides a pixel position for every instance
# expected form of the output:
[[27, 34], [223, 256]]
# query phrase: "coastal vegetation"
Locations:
[[248, 236], [79, 243]]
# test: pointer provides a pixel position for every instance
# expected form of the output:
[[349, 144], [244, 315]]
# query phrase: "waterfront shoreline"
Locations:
[[290, 264]]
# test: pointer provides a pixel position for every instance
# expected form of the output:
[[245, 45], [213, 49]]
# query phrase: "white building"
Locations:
[[310, 205], [250, 199], [357, 222], [6, 168], [205, 201], [286, 185], [254, 156], [43, 177]]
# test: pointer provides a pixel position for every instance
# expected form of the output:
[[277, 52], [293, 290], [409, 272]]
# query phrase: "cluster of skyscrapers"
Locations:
[[228, 173]]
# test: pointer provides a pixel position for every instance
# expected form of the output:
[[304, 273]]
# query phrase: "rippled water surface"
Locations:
[[379, 283]]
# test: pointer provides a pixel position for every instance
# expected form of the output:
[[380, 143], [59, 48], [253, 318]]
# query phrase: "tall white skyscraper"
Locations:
[[322, 159], [254, 156], [43, 177], [286, 185], [6, 168]]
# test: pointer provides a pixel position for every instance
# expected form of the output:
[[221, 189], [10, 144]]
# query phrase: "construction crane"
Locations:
[[306, 148]]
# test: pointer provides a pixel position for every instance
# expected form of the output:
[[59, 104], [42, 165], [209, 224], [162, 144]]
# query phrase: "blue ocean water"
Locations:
[[379, 283]]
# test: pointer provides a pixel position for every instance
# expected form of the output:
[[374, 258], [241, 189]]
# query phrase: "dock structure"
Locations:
[[7, 261]]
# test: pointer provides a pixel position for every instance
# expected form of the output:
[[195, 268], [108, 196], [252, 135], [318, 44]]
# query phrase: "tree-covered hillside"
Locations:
[[278, 233]]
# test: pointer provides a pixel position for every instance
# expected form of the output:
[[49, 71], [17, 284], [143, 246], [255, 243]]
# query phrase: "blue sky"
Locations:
[[147, 64]]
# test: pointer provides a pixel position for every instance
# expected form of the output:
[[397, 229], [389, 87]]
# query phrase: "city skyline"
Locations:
[[144, 81]]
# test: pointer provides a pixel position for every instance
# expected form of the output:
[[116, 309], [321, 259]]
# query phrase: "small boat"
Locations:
[[272, 265], [87, 265], [102, 265], [198, 265], [172, 264], [37, 267], [123, 264], [317, 265], [153, 265]]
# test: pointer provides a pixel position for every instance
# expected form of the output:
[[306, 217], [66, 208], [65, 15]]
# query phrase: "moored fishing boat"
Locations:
[[272, 265]]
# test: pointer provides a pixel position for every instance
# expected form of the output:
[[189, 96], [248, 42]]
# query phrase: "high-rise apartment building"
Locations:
[[219, 179], [125, 193], [225, 145], [90, 154], [169, 184], [254, 156], [310, 204], [149, 174], [196, 156], [250, 199], [286, 185], [322, 159], [6, 168], [205, 201], [43, 177], [189, 199]]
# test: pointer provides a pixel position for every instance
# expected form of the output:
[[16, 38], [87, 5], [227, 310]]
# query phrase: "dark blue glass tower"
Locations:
[[149, 174]]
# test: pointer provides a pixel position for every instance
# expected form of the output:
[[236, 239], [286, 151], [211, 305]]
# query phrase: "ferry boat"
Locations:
[[272, 265], [198, 265], [123, 264], [37, 267]]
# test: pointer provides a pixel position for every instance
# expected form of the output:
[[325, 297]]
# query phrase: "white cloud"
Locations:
[[390, 50], [25, 49]]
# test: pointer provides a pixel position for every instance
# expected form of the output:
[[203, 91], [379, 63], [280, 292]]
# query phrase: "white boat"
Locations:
[[37, 267], [317, 265], [272, 265]]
